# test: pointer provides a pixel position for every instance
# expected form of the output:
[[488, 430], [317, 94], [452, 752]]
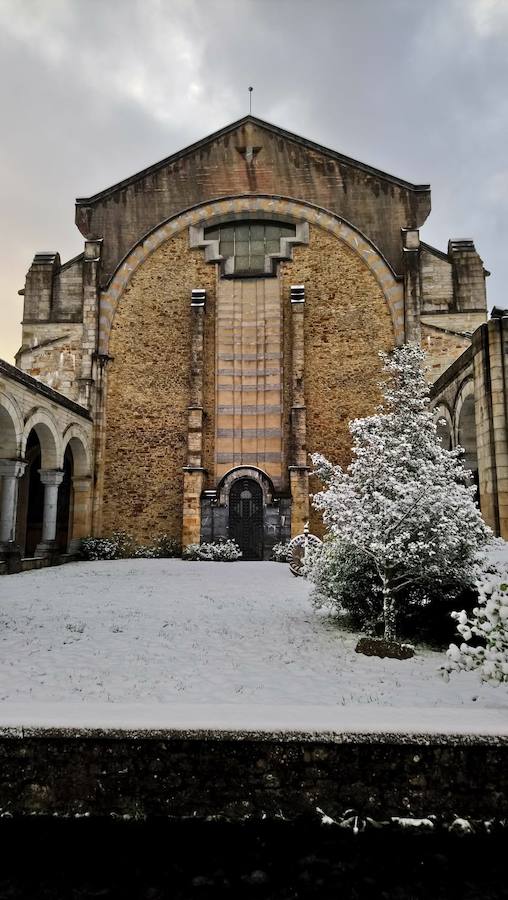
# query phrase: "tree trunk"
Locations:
[[388, 610]]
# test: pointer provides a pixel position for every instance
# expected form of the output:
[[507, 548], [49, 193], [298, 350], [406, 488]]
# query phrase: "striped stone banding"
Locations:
[[248, 432], [244, 458], [249, 410]]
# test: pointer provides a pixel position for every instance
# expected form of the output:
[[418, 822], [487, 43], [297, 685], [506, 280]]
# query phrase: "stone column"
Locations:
[[490, 347], [81, 511], [10, 471], [51, 479], [91, 271], [193, 483], [194, 474], [412, 284], [298, 471]]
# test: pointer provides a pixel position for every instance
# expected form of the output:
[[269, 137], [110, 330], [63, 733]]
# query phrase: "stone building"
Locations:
[[224, 320]]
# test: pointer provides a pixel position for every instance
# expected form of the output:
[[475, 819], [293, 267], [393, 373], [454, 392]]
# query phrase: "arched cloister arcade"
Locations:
[[456, 424], [45, 472]]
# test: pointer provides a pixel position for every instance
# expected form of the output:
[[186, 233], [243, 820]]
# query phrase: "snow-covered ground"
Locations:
[[203, 636]]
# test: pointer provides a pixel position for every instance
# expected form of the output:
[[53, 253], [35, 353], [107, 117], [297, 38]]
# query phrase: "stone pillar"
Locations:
[[81, 511], [490, 347], [194, 474], [91, 269], [11, 471], [299, 483], [193, 484], [298, 471], [469, 290], [51, 479], [412, 284]]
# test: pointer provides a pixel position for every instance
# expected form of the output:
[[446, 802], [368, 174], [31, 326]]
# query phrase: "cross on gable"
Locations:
[[249, 153]]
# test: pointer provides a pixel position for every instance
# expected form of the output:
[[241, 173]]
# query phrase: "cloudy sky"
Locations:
[[94, 90]]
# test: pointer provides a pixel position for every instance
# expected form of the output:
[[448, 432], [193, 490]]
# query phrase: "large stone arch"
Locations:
[[76, 438], [212, 211], [80, 500], [43, 423], [11, 428], [464, 420], [252, 472]]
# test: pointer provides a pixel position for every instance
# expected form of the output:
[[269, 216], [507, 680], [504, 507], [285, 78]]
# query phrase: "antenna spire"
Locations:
[[250, 100]]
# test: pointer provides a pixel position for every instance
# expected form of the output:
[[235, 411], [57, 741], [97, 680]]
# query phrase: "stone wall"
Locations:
[[436, 280], [148, 393], [443, 347], [53, 352], [280, 163], [347, 322], [242, 776]]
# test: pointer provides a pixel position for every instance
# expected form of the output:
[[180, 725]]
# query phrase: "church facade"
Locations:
[[223, 321]]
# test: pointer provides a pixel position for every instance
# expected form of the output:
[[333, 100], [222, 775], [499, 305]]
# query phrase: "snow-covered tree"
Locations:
[[488, 626], [404, 509]]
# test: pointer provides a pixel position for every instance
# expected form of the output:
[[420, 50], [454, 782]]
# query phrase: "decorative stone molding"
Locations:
[[197, 240], [259, 206]]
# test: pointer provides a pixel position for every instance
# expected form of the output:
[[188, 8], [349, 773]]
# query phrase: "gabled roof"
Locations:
[[274, 129]]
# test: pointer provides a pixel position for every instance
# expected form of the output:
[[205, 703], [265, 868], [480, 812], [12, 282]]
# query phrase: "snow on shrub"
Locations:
[[218, 551], [487, 628], [402, 519], [164, 547], [280, 553], [121, 545], [118, 545]]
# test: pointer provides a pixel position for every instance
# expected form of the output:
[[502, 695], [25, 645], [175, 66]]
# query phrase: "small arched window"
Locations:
[[248, 246]]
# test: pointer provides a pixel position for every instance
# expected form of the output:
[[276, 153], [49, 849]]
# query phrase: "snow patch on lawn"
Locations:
[[159, 632]]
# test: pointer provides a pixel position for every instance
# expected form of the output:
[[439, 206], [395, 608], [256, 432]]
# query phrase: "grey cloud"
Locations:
[[93, 91]]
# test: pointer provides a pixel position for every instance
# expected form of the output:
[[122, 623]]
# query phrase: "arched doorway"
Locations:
[[246, 517]]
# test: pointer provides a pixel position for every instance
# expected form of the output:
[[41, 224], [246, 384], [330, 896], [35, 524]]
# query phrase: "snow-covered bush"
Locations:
[[167, 547], [487, 628], [345, 582], [145, 551], [280, 553], [164, 547], [402, 520], [118, 545], [218, 551]]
